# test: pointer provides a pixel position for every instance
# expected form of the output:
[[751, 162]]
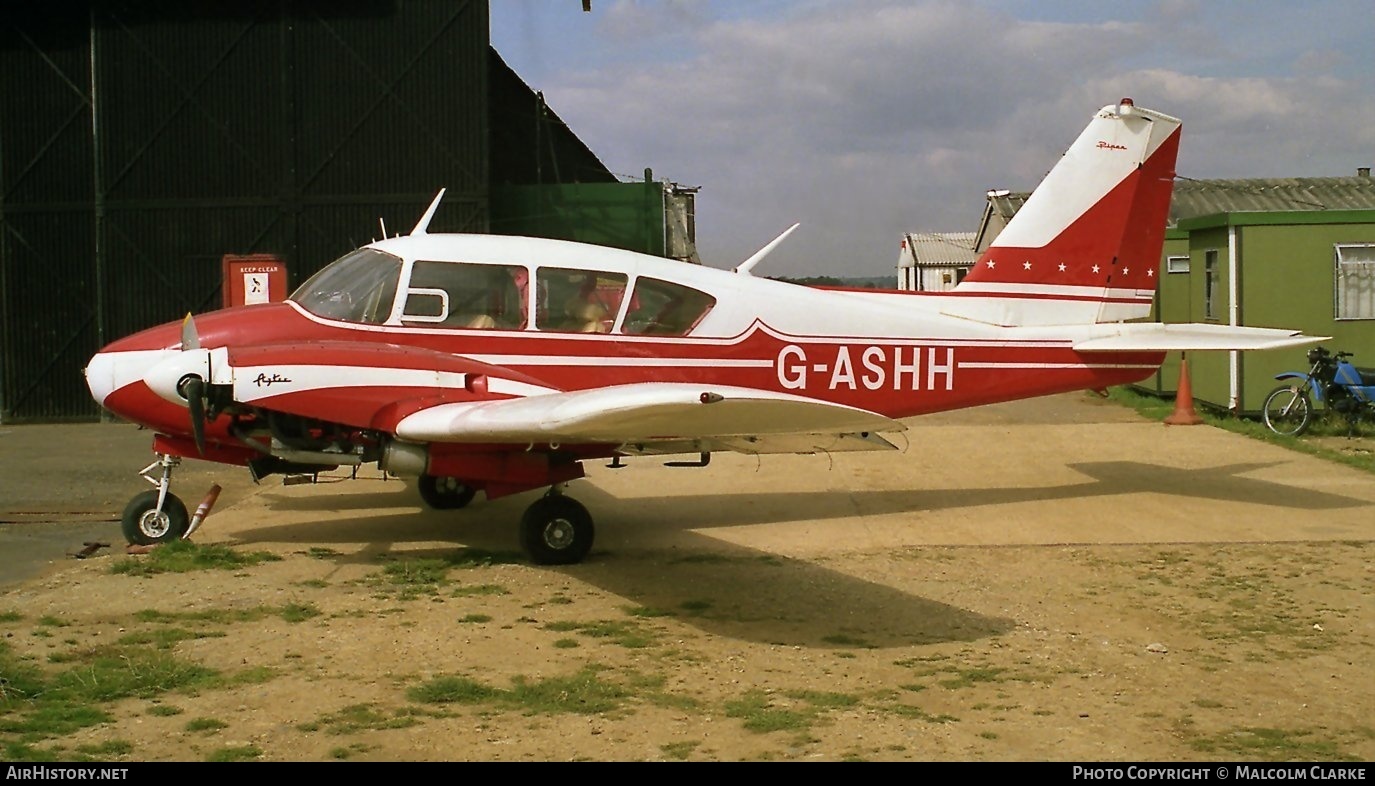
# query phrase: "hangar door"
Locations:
[[140, 143]]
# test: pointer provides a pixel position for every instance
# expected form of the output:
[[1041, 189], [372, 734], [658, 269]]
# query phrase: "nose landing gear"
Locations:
[[157, 515]]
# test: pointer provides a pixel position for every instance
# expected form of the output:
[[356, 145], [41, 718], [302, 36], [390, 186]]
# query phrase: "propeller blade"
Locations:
[[195, 403], [190, 339]]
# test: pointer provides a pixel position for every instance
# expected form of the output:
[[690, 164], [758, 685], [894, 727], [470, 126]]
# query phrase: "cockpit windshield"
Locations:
[[358, 287]]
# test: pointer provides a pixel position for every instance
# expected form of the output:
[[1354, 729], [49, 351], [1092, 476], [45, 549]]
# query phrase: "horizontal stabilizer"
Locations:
[[640, 412], [1154, 336]]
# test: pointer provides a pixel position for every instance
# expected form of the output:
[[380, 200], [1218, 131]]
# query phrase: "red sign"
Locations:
[[253, 278]]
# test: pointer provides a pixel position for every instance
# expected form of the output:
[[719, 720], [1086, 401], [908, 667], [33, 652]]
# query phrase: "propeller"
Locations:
[[192, 386], [190, 338]]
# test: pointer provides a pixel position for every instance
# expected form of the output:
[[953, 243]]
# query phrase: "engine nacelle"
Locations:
[[404, 459]]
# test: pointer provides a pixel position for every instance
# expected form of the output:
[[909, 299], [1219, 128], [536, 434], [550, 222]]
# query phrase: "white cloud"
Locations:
[[867, 119]]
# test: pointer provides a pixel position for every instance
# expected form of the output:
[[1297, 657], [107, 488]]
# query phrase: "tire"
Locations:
[[556, 530], [445, 493], [144, 526], [1288, 410]]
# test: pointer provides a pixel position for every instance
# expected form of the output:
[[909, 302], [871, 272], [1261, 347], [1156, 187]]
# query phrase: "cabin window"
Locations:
[[1355, 281], [1211, 309], [660, 308], [1177, 264], [577, 301], [358, 287], [465, 296]]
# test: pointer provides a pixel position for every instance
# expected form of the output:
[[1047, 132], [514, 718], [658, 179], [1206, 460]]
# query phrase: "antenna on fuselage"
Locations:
[[744, 267], [424, 222], [383, 222]]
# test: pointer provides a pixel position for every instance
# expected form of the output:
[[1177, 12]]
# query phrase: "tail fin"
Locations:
[[1086, 246]]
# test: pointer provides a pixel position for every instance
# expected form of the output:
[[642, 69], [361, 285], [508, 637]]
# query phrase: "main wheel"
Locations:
[[445, 493], [145, 525], [1288, 410], [556, 530]]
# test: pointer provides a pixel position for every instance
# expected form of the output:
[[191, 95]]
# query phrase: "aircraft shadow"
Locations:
[[1108, 478], [695, 572], [716, 587]]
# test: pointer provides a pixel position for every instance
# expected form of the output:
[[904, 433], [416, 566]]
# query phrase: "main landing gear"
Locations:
[[157, 515], [554, 530]]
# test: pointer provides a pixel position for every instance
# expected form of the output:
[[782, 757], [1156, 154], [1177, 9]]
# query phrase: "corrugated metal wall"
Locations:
[[140, 143]]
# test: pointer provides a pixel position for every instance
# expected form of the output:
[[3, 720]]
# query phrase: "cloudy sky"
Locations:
[[864, 119]]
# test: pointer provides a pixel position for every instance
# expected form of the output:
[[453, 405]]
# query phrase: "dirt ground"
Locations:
[[1055, 580]]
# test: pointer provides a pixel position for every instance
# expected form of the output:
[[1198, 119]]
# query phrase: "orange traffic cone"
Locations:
[[1184, 414]]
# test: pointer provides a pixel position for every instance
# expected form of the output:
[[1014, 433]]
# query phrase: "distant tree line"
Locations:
[[832, 281]]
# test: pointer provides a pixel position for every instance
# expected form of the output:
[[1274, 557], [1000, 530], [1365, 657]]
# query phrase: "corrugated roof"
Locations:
[[1193, 198], [1205, 197], [940, 248]]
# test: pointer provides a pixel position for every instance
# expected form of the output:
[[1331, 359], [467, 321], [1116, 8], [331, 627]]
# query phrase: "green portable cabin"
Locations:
[[1309, 270]]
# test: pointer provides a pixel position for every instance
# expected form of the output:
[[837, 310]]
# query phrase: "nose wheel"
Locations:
[[156, 516], [556, 530]]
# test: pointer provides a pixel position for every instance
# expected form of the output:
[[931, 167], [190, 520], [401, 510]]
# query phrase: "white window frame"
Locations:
[[1177, 264], [1354, 270]]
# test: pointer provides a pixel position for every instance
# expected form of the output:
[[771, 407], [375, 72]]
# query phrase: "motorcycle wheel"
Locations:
[[1288, 410]]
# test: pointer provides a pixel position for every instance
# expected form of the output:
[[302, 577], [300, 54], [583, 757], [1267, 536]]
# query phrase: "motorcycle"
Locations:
[[1333, 382]]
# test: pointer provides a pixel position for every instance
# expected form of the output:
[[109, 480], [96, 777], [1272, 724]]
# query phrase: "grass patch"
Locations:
[[298, 612], [621, 632], [166, 638], [968, 677], [360, 717], [236, 753], [205, 725], [291, 612], [478, 590], [10, 616], [107, 748], [758, 713], [475, 618], [411, 578], [35, 705], [679, 750], [1155, 408], [647, 611], [846, 640], [182, 556], [583, 693], [1269, 744]]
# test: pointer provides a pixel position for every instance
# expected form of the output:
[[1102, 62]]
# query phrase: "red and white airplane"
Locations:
[[500, 364]]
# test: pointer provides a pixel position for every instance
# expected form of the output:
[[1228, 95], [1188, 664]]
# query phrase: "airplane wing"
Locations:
[[658, 418], [1155, 336]]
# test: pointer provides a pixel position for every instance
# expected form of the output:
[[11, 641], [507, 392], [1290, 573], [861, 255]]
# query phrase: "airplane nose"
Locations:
[[100, 377], [110, 371]]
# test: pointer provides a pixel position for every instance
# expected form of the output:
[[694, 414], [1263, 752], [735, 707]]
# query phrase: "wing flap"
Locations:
[[641, 412], [1155, 336], [762, 445]]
